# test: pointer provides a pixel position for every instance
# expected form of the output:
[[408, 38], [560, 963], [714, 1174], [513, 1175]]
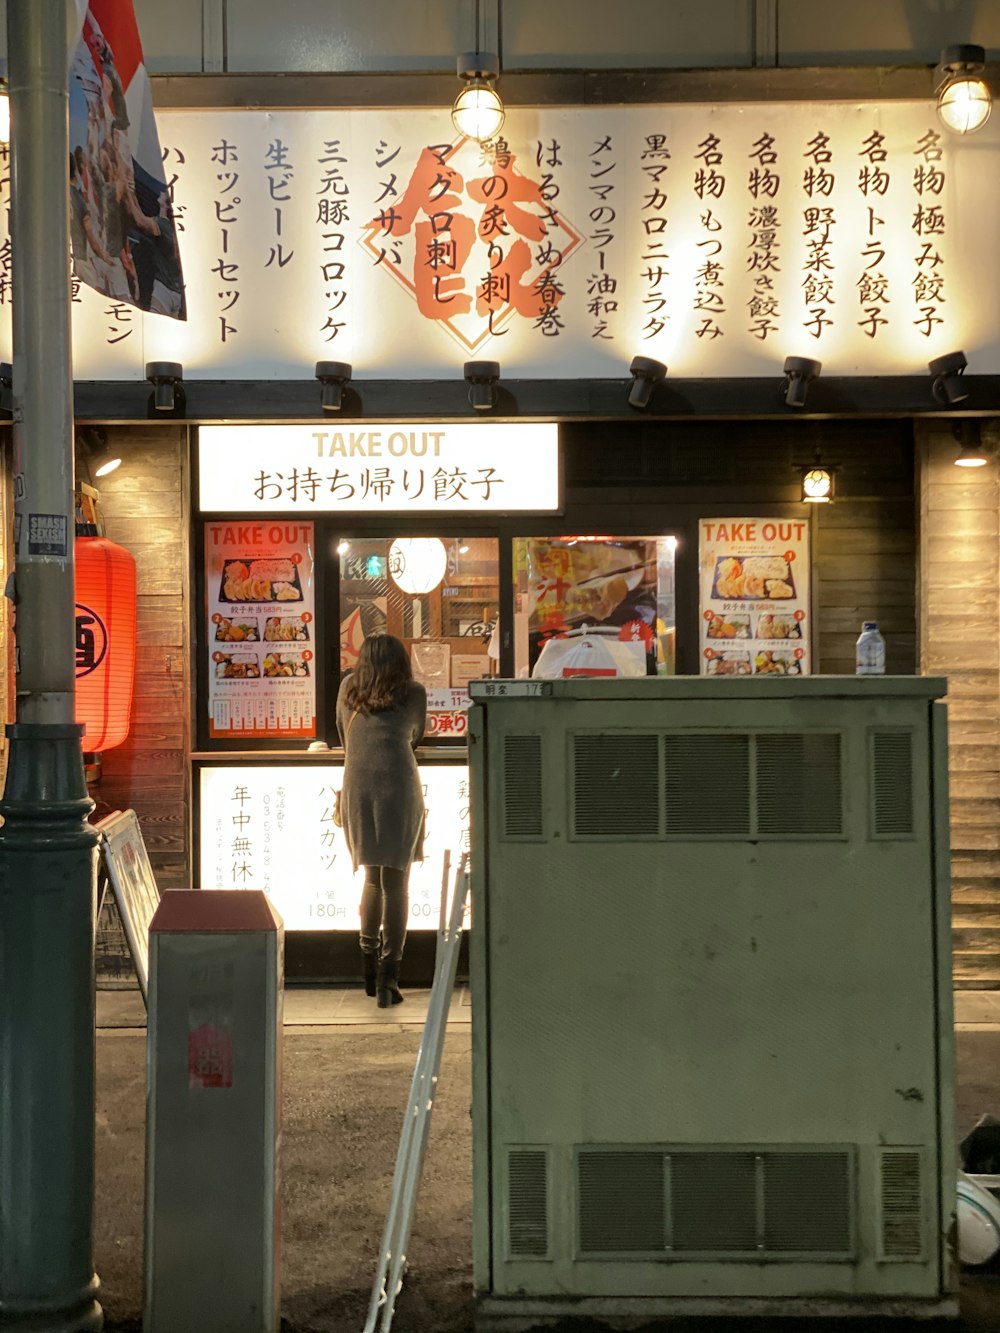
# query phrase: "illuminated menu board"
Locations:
[[272, 828]]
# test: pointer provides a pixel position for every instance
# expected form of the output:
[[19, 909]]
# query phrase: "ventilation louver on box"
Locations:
[[715, 785], [522, 786], [799, 783], [616, 786], [892, 784], [527, 1203], [692, 764], [901, 1232], [771, 1204]]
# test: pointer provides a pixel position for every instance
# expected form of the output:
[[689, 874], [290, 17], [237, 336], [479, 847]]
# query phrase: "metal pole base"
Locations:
[[48, 863]]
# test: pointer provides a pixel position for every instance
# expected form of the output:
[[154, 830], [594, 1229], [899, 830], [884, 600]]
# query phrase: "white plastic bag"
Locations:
[[590, 655]]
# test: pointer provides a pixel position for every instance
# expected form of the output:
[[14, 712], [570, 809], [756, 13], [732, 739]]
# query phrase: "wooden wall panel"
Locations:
[[959, 610]]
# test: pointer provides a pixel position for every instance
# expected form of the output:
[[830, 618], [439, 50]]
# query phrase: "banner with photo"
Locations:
[[122, 228]]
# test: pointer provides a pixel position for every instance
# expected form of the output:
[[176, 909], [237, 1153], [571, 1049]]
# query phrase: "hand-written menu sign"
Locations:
[[754, 596], [390, 468], [260, 605], [272, 828], [717, 239]]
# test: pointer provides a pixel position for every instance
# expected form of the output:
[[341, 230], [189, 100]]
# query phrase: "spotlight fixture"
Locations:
[[969, 436], [334, 376], [799, 372], [478, 111], [99, 458], [482, 379], [947, 386], [167, 379], [817, 483], [964, 100], [646, 374], [343, 547], [6, 387]]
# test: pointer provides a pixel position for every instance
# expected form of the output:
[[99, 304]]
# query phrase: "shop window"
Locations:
[[594, 605], [439, 596]]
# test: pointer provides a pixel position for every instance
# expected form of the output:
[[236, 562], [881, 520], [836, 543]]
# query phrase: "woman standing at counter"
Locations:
[[381, 717]]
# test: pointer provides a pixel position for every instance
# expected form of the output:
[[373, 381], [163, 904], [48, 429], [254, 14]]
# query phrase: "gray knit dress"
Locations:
[[381, 801]]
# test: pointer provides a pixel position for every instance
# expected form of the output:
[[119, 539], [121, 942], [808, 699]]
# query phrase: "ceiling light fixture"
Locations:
[[800, 371], [478, 112], [646, 374], [964, 101], [947, 372]]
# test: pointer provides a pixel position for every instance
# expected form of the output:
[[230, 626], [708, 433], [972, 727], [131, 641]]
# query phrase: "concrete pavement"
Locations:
[[347, 1070]]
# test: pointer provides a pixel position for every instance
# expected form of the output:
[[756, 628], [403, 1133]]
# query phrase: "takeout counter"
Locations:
[[264, 820]]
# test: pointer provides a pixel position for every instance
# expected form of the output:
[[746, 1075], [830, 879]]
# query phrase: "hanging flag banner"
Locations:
[[121, 216]]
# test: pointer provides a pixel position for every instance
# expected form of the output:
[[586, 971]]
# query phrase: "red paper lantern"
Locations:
[[105, 641]]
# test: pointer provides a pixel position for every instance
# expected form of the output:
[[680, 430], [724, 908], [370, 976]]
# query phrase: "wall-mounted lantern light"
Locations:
[[964, 100], [817, 484]]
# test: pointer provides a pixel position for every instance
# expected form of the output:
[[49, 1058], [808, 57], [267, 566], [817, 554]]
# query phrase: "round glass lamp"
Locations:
[[964, 100], [417, 564], [817, 486], [478, 112]]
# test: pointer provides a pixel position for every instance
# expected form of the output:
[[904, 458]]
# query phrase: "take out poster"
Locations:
[[261, 630], [754, 596]]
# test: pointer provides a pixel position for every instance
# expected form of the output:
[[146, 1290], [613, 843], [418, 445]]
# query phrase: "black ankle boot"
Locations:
[[386, 984], [369, 960]]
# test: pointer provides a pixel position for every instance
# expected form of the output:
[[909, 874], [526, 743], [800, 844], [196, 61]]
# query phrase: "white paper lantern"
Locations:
[[417, 564]]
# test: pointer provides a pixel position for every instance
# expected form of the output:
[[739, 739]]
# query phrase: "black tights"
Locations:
[[384, 908]]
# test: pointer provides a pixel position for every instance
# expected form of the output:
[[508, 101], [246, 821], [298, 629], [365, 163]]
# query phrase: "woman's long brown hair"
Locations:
[[382, 676]]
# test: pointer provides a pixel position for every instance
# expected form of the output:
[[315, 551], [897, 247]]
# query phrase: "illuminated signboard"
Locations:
[[716, 239], [272, 828], [351, 467]]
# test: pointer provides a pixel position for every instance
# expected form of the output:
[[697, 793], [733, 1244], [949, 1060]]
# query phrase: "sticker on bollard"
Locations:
[[210, 1057]]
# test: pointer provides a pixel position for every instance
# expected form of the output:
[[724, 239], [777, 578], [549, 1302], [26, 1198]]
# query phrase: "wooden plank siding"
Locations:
[[959, 618], [145, 508]]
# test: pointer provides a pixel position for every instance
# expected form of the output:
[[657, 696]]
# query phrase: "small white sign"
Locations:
[[379, 468]]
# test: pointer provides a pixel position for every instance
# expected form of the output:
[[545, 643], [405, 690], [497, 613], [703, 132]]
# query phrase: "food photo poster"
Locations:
[[754, 584], [261, 609]]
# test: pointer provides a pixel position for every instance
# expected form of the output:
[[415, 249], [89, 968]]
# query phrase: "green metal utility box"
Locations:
[[711, 999]]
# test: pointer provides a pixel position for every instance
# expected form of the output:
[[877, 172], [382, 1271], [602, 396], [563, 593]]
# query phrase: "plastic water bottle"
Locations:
[[869, 651]]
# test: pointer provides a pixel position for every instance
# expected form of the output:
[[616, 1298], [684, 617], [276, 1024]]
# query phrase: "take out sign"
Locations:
[[742, 530], [376, 467]]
